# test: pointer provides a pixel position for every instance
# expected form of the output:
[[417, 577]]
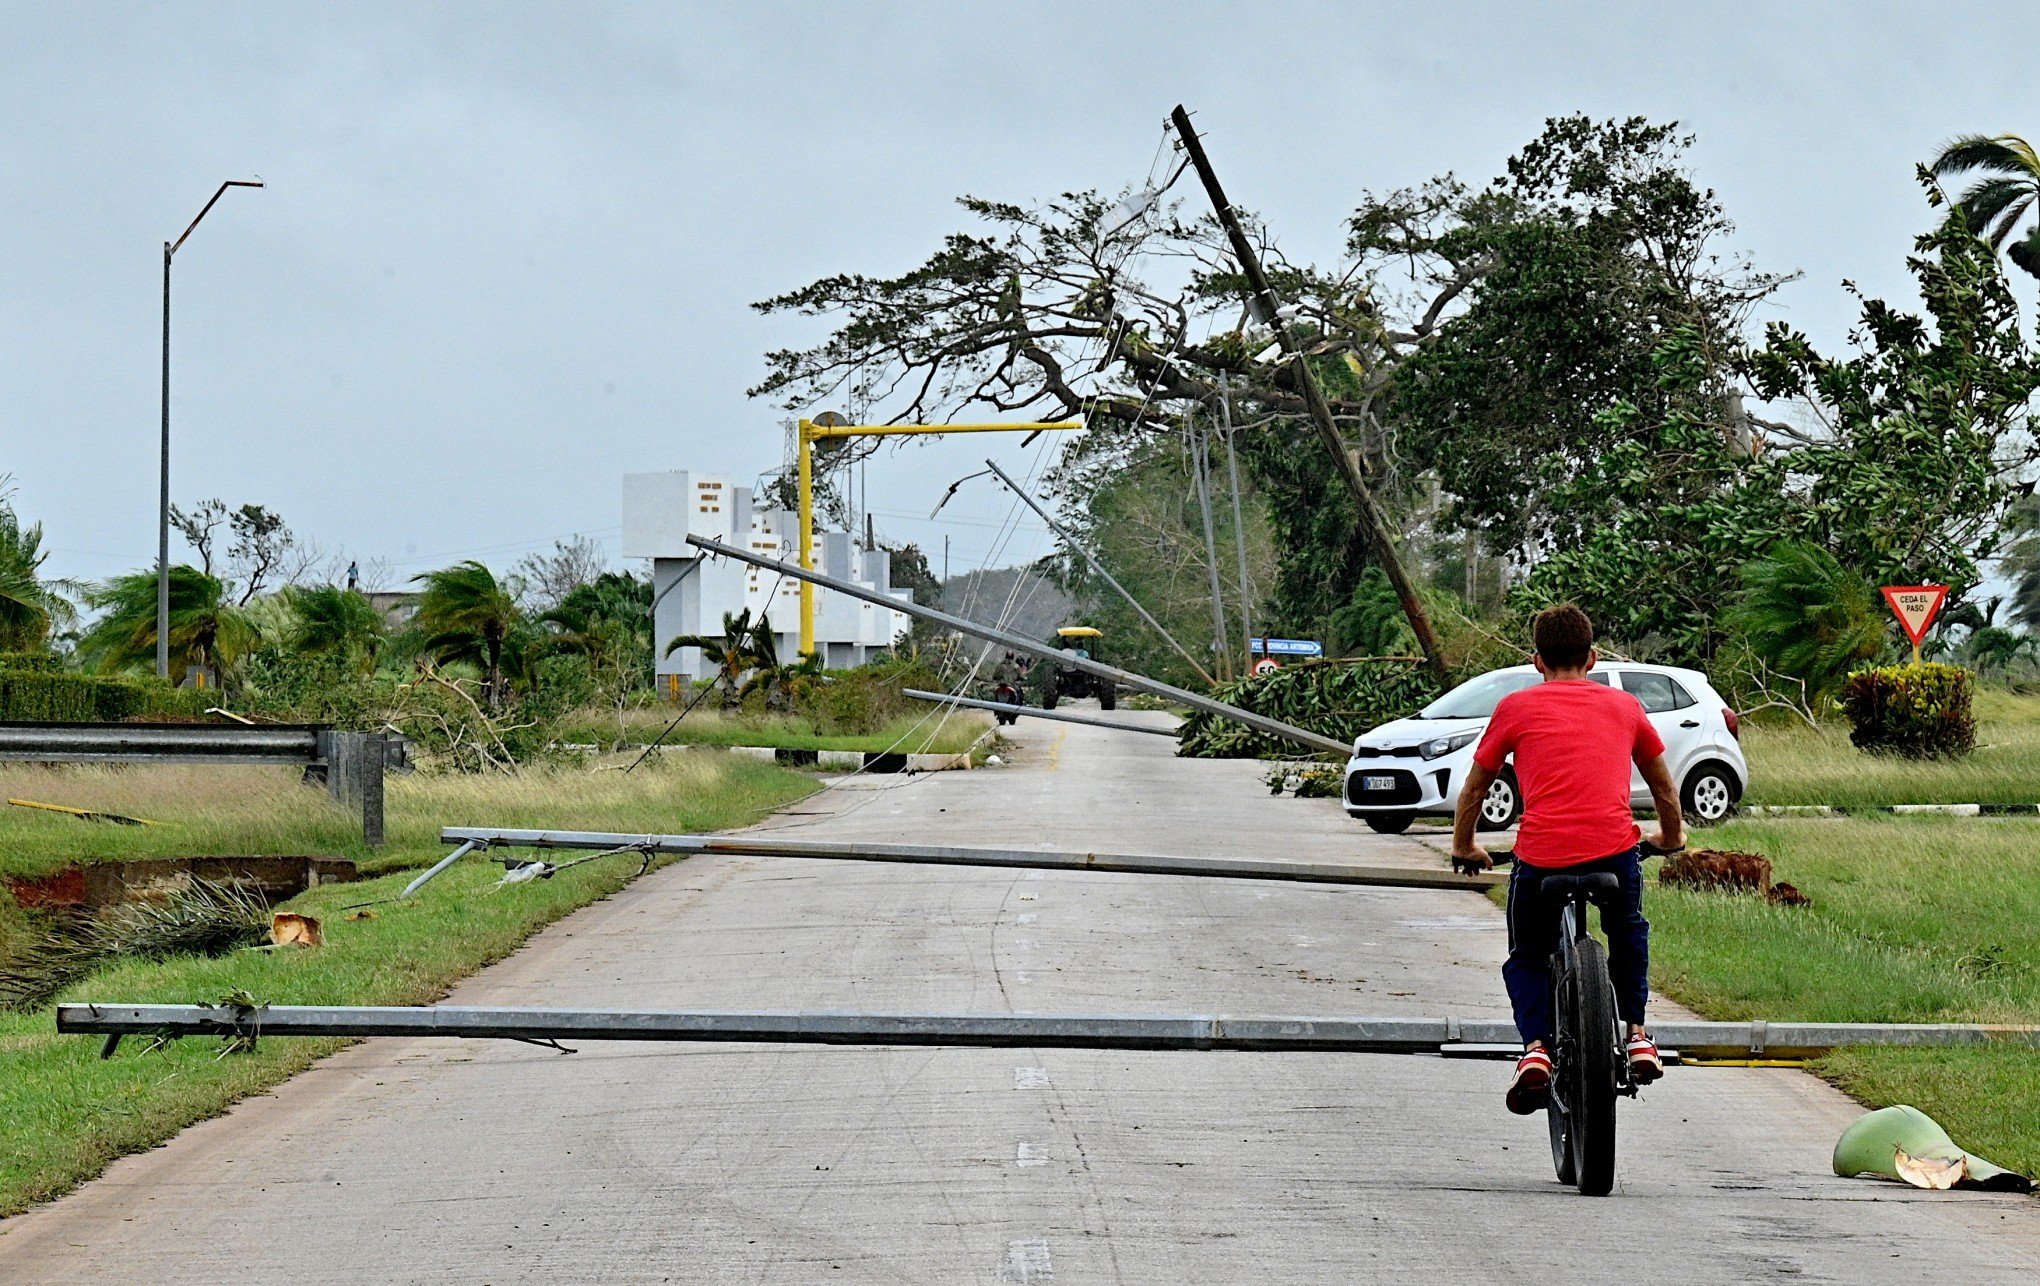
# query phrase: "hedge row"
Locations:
[[1338, 699], [51, 696]]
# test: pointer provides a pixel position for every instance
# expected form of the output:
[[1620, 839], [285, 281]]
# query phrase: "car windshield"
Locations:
[[1477, 698]]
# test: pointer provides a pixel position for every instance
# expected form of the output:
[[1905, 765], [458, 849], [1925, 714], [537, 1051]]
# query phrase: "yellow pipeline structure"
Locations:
[[812, 432]]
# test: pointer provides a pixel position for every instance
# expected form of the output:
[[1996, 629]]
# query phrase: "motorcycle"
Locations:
[[1006, 694]]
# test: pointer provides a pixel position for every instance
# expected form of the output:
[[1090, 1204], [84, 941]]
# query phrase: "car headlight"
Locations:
[[1439, 746]]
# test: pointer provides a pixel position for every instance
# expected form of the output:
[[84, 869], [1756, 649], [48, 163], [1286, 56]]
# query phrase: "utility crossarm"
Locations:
[[1000, 1031], [739, 844], [1035, 712], [1021, 643], [829, 427]]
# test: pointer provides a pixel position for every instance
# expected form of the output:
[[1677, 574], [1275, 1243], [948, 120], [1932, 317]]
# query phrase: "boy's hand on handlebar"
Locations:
[[1664, 842], [1472, 860]]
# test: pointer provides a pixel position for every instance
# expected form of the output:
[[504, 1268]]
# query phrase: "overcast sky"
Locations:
[[506, 252]]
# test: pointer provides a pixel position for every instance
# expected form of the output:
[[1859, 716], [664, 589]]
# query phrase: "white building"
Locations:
[[691, 592]]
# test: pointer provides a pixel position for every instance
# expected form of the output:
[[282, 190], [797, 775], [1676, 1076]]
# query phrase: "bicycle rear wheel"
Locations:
[[1590, 1110], [1563, 1043]]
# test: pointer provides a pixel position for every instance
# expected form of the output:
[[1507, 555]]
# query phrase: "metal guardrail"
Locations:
[[350, 764], [170, 743], [946, 855], [1385, 1035]]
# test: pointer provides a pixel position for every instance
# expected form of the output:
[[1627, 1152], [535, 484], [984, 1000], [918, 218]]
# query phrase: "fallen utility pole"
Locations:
[[999, 1031], [1032, 712], [1021, 643], [742, 845], [1265, 303], [1089, 558]]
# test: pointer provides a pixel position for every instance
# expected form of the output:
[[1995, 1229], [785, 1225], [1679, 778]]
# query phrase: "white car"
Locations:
[[1415, 766]]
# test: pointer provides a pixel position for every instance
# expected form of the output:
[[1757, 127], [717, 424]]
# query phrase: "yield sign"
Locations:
[[1915, 606]]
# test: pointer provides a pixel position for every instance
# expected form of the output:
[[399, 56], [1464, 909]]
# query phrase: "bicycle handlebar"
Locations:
[[1503, 857]]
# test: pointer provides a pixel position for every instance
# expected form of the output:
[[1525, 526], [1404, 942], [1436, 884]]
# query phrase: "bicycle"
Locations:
[[1589, 1064]]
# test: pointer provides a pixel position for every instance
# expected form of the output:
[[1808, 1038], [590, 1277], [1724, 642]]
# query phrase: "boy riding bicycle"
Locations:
[[1573, 740]]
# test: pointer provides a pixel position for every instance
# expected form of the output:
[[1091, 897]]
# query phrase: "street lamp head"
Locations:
[[230, 183]]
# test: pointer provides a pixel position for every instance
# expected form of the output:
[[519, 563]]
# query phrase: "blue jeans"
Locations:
[[1533, 936]]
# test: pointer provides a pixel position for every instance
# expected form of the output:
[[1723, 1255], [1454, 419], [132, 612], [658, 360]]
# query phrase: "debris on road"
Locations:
[[85, 814], [1906, 1144], [289, 928]]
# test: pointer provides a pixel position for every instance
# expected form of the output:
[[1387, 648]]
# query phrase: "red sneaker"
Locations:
[[1644, 1064], [1531, 1089]]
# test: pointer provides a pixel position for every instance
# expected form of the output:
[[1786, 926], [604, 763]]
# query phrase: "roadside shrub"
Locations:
[[1340, 699], [1915, 711], [27, 661]]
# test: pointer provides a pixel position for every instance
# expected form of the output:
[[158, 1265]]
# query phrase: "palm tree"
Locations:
[[31, 606], [1993, 206], [1809, 616], [208, 633], [607, 620], [2021, 561], [466, 615], [336, 622], [733, 653]]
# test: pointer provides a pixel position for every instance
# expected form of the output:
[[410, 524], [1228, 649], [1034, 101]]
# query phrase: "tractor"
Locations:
[[1063, 680]]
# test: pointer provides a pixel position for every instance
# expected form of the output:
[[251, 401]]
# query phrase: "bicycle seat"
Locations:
[[1596, 886]]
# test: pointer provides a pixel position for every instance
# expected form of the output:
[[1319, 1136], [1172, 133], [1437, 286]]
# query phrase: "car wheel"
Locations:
[[1710, 793], [1503, 805], [1051, 692], [1388, 823]]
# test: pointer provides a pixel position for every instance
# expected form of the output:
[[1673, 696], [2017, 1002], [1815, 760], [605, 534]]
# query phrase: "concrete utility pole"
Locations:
[[1262, 296], [1033, 647], [1200, 443], [1232, 464]]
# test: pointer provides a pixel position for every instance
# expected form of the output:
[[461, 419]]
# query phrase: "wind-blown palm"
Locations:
[[605, 620], [207, 630], [1993, 206], [336, 622], [465, 614], [733, 652], [31, 606], [1808, 615]]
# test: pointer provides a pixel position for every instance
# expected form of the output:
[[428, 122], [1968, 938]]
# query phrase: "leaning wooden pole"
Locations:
[[1380, 535]]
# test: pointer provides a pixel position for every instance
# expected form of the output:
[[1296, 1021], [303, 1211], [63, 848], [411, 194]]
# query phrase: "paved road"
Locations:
[[421, 1161]]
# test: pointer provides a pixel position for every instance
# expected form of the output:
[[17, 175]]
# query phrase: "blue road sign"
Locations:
[[1288, 647]]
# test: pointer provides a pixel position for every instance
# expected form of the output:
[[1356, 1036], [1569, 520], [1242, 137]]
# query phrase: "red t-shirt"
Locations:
[[1574, 740]]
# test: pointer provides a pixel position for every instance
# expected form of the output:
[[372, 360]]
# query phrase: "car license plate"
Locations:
[[1377, 783]]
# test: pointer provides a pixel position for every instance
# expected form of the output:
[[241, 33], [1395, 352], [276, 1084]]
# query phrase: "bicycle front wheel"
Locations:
[[1590, 1111]]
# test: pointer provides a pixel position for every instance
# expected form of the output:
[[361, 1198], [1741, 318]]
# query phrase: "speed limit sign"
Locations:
[[1267, 665]]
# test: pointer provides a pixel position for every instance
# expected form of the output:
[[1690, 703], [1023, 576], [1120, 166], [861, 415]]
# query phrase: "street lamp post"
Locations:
[[163, 498]]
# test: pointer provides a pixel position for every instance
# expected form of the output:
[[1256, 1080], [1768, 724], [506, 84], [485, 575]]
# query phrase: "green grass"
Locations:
[[237, 810], [1795, 764], [913, 734], [65, 1114], [1921, 919]]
